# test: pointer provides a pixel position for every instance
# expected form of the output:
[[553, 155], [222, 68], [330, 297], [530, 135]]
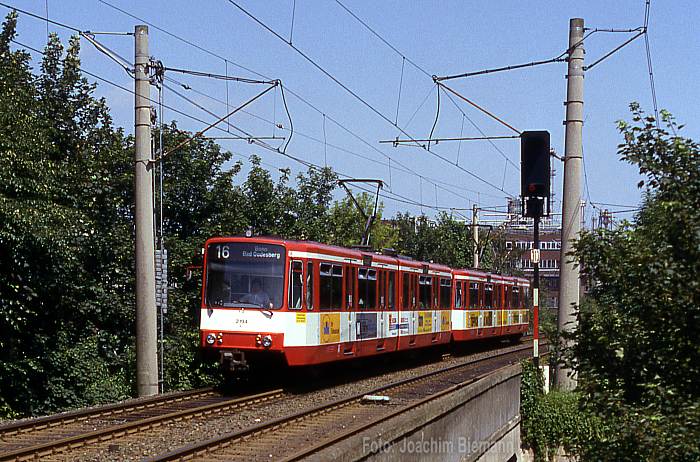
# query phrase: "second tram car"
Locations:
[[311, 303]]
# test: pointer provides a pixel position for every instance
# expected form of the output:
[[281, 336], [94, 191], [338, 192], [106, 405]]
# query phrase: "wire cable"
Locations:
[[111, 54], [386, 42], [485, 111], [219, 76], [398, 101], [613, 51], [356, 96], [649, 65], [291, 29], [501, 69], [42, 19], [437, 116]]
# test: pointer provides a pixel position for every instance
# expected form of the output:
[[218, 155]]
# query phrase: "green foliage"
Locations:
[[636, 346], [56, 145], [446, 240], [554, 420], [82, 381], [348, 224]]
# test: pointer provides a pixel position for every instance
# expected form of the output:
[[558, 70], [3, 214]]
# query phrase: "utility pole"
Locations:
[[475, 233], [146, 343], [569, 278]]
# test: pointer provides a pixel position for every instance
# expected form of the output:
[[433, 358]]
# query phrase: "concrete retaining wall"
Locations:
[[478, 422]]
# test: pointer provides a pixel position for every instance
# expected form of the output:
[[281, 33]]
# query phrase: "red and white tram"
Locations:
[[312, 303]]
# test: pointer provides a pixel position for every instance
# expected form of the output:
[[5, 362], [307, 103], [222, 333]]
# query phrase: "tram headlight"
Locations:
[[211, 338], [267, 341]]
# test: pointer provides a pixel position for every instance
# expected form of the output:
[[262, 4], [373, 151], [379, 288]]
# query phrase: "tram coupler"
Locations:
[[234, 361]]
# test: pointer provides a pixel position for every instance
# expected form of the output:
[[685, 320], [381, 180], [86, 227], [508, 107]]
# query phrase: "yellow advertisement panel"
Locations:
[[473, 320], [330, 327], [425, 322], [301, 318], [445, 321]]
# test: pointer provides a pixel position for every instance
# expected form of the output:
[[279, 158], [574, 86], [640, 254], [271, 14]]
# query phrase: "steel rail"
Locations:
[[56, 420], [204, 448], [58, 446]]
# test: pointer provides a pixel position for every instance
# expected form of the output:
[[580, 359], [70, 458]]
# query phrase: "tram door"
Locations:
[[381, 322], [349, 313], [409, 316], [480, 330], [435, 307]]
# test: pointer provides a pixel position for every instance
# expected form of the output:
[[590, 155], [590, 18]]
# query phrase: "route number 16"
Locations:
[[222, 252]]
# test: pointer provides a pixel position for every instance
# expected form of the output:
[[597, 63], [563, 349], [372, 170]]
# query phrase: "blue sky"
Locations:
[[444, 37]]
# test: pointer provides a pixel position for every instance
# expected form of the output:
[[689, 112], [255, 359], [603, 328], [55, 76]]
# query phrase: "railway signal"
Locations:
[[534, 190], [534, 172]]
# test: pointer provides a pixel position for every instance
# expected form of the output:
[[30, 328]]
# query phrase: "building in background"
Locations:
[[518, 235]]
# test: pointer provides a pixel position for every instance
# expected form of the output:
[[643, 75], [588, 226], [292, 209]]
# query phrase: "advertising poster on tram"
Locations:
[[330, 327]]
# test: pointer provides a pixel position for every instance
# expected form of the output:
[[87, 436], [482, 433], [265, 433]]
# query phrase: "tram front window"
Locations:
[[245, 275]]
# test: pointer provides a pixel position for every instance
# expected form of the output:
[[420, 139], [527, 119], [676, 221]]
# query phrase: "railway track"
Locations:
[[54, 435], [300, 435]]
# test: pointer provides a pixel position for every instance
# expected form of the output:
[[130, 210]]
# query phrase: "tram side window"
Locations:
[[527, 301], [391, 291], [488, 296], [506, 296], [331, 290], [515, 297], [310, 286], [296, 284], [367, 288], [406, 284], [458, 294], [425, 286], [445, 292], [497, 291], [473, 295]]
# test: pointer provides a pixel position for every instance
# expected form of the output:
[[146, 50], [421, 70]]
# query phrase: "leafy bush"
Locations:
[[554, 420]]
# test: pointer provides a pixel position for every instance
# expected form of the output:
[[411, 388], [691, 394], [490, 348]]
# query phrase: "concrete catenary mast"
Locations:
[[146, 331], [571, 208]]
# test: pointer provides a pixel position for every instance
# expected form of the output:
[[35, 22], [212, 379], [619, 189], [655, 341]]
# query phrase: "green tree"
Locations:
[[311, 203], [55, 142], [444, 240], [636, 345], [347, 224]]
